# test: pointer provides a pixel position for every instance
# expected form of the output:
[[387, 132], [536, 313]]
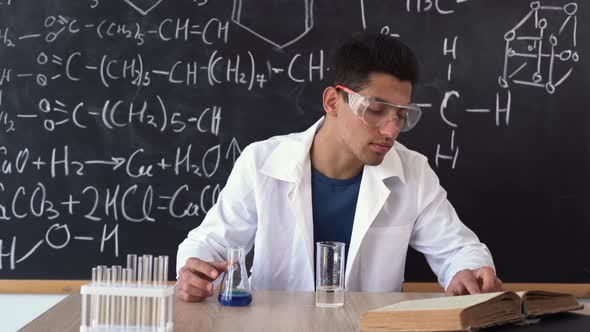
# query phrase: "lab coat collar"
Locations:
[[289, 160]]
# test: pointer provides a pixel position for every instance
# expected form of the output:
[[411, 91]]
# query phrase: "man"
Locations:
[[344, 179]]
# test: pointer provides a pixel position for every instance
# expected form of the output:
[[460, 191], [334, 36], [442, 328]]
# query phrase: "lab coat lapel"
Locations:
[[291, 162], [300, 202], [373, 193]]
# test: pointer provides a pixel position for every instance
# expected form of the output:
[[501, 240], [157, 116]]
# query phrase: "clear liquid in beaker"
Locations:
[[329, 297]]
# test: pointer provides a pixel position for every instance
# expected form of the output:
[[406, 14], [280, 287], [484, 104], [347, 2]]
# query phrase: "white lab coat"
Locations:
[[267, 203]]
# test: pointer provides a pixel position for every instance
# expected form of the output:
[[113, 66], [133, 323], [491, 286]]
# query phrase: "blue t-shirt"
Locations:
[[334, 205]]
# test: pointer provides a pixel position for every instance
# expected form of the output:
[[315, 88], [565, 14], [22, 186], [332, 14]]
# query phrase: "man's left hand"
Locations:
[[482, 280]]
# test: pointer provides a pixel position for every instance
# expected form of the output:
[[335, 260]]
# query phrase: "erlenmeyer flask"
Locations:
[[235, 286]]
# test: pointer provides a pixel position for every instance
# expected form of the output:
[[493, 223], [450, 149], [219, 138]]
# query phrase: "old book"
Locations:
[[463, 313]]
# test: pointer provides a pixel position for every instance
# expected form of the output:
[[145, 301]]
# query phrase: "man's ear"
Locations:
[[330, 101]]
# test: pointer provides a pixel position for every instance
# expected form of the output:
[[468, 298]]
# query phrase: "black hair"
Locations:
[[365, 53]]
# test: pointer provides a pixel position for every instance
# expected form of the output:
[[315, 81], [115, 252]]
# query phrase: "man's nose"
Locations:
[[389, 130]]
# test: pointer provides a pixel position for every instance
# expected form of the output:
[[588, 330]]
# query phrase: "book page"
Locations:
[[542, 293], [537, 302], [441, 303]]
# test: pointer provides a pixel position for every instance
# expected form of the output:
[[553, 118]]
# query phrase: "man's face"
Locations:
[[370, 144]]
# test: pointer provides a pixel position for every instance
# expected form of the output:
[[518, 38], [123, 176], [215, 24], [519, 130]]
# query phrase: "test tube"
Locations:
[[117, 273], [147, 278], [107, 318], [156, 282], [128, 308], [100, 305], [140, 271], [147, 268], [93, 298], [161, 270], [162, 312], [115, 298], [138, 300], [102, 271], [165, 266], [162, 303], [132, 264], [156, 274], [103, 268], [118, 270], [123, 307]]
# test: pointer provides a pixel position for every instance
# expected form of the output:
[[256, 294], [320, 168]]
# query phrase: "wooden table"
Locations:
[[269, 311]]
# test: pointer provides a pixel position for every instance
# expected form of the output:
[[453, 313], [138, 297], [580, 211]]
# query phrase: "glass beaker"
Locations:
[[329, 274], [235, 286]]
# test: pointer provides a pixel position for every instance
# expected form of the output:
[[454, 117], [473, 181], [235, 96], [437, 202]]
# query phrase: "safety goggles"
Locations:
[[376, 113]]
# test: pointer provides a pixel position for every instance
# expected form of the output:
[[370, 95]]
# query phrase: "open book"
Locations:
[[463, 313]]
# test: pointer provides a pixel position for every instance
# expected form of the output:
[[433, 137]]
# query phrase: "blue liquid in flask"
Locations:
[[235, 298]]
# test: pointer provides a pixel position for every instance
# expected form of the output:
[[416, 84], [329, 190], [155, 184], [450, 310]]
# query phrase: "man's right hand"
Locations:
[[195, 279]]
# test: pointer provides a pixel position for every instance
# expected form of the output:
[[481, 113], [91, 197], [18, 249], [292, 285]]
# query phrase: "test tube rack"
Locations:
[[137, 298]]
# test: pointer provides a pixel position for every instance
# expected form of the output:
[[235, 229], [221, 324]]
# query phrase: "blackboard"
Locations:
[[120, 120]]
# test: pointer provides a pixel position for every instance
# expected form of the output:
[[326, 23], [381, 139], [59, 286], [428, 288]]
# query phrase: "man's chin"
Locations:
[[374, 160], [377, 163]]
